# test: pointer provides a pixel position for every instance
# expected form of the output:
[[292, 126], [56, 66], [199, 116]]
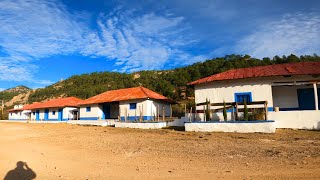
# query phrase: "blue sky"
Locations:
[[44, 41]]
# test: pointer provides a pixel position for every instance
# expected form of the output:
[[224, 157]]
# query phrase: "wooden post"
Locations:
[[204, 113], [125, 114], [185, 109], [237, 111], [190, 114], [163, 114], [266, 110], [135, 114], [233, 112], [142, 112], [315, 91], [158, 113]]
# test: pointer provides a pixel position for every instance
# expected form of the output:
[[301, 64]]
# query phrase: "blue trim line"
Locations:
[[89, 118], [132, 118], [262, 121], [234, 110]]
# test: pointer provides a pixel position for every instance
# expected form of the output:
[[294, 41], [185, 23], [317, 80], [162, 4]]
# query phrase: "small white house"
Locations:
[[291, 91], [127, 104], [17, 113], [60, 109]]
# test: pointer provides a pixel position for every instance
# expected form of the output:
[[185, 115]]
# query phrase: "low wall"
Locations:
[[240, 127], [178, 122], [93, 122], [309, 119], [146, 125]]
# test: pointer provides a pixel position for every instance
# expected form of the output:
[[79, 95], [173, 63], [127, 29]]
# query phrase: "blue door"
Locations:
[[306, 99], [106, 111], [46, 114], [60, 114], [37, 115]]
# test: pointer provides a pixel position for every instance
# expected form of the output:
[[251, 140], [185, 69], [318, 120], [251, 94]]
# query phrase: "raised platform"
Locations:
[[93, 122], [232, 126], [144, 125]]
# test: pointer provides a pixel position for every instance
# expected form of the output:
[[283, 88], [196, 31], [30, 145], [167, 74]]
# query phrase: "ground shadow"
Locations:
[[176, 128], [22, 171]]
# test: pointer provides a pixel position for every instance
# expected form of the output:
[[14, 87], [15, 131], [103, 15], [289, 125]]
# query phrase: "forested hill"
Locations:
[[8, 94], [167, 82]]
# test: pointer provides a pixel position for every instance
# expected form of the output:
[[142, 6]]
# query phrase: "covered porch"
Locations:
[[297, 95], [296, 105]]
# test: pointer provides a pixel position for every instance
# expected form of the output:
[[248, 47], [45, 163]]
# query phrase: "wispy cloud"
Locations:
[[294, 34], [148, 41], [31, 30]]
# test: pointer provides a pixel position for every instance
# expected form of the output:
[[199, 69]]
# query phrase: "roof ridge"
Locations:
[[142, 88]]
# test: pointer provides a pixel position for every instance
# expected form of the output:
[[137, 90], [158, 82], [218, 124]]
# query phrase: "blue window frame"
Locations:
[[88, 109], [243, 96], [133, 105], [53, 112]]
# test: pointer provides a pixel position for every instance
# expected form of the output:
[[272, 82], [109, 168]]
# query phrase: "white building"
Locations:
[[291, 91], [127, 104], [18, 113], [60, 109]]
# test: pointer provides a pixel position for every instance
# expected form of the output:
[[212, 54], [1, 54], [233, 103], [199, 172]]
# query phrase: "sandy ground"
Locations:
[[63, 151]]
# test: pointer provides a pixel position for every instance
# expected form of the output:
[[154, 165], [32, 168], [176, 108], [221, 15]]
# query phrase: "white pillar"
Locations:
[[315, 95]]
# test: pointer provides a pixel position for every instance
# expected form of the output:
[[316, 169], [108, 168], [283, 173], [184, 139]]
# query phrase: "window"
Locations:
[[53, 112], [20, 113], [34, 113], [244, 96], [88, 109], [133, 105], [11, 114]]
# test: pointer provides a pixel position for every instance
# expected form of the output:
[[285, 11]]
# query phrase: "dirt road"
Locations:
[[61, 151]]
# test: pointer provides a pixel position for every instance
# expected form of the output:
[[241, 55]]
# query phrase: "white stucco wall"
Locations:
[[154, 105], [217, 92], [308, 119], [18, 115], [96, 112], [241, 127], [261, 89], [153, 125], [125, 107]]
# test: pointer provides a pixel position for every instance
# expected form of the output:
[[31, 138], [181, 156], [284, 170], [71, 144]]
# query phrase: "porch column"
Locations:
[[315, 90]]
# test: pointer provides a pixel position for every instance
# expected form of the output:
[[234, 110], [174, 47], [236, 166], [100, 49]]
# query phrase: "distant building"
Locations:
[[128, 104], [60, 109], [292, 89]]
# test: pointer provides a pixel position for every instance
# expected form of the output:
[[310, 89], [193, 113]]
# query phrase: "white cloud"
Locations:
[[33, 30], [141, 42], [294, 34]]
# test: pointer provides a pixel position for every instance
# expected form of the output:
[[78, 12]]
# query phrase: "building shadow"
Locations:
[[21, 172]]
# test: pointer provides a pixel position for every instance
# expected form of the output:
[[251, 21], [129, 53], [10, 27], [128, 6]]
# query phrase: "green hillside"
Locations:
[[166, 82], [8, 94]]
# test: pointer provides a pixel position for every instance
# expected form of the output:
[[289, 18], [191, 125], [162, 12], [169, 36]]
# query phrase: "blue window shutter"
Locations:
[[241, 97], [133, 105]]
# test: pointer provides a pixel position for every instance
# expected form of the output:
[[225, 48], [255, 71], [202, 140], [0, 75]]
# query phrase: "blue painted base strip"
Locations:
[[132, 118], [262, 121], [234, 110], [89, 118]]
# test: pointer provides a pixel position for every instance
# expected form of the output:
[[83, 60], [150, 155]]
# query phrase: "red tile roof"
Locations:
[[25, 107], [300, 68], [125, 94], [55, 103]]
